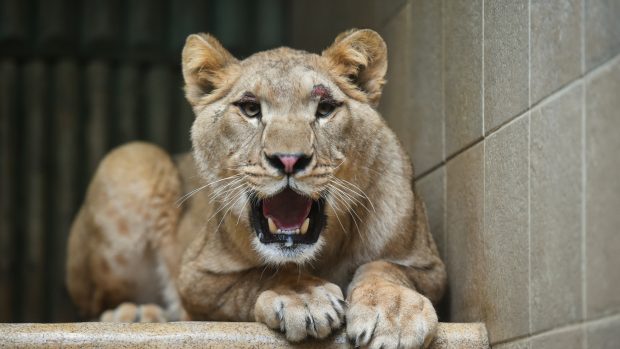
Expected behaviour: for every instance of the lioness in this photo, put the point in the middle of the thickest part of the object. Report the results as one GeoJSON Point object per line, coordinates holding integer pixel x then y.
{"type": "Point", "coordinates": [296, 191]}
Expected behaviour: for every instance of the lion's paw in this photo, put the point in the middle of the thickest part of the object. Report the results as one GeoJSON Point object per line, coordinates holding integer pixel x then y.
{"type": "Point", "coordinates": [314, 311]}
{"type": "Point", "coordinates": [389, 317]}
{"type": "Point", "coordinates": [130, 312]}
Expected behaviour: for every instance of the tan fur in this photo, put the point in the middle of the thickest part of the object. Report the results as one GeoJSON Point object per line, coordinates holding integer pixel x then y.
{"type": "Point", "coordinates": [201, 259]}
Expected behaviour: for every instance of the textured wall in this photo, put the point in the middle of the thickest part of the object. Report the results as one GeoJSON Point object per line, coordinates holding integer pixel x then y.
{"type": "Point", "coordinates": [78, 77]}
{"type": "Point", "coordinates": [510, 110]}
{"type": "Point", "coordinates": [512, 119]}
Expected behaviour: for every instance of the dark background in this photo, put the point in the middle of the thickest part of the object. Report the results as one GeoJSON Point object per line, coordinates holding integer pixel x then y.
{"type": "Point", "coordinates": [76, 79]}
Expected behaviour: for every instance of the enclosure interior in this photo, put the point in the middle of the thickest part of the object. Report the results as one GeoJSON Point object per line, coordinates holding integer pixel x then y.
{"type": "Point", "coordinates": [508, 109]}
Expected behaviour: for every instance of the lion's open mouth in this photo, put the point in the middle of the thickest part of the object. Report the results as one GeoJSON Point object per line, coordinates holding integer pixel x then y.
{"type": "Point", "coordinates": [288, 218]}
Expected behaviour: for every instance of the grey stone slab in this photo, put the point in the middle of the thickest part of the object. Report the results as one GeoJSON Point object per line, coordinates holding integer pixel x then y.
{"type": "Point", "coordinates": [506, 232]}
{"type": "Point", "coordinates": [555, 35]}
{"type": "Point", "coordinates": [602, 31]}
{"type": "Point", "coordinates": [462, 30]}
{"type": "Point", "coordinates": [383, 11]}
{"type": "Point", "coordinates": [572, 338]}
{"type": "Point", "coordinates": [604, 333]}
{"type": "Point", "coordinates": [202, 334]}
{"type": "Point", "coordinates": [521, 344]}
{"type": "Point", "coordinates": [603, 191]}
{"type": "Point", "coordinates": [432, 190]}
{"type": "Point", "coordinates": [467, 273]}
{"type": "Point", "coordinates": [395, 102]}
{"type": "Point", "coordinates": [506, 64]}
{"type": "Point", "coordinates": [426, 127]}
{"type": "Point", "coordinates": [556, 210]}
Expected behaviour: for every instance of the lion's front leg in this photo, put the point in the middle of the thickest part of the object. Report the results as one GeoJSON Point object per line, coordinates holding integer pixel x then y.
{"type": "Point", "coordinates": [299, 305]}
{"type": "Point", "coordinates": [386, 312]}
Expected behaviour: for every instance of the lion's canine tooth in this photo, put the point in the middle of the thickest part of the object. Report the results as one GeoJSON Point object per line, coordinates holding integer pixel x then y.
{"type": "Point", "coordinates": [304, 227]}
{"type": "Point", "coordinates": [272, 226]}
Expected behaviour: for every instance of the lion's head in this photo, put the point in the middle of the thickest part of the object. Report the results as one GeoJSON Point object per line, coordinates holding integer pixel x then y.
{"type": "Point", "coordinates": [289, 137]}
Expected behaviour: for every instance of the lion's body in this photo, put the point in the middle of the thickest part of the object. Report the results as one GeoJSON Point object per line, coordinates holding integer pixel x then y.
{"type": "Point", "coordinates": [137, 240]}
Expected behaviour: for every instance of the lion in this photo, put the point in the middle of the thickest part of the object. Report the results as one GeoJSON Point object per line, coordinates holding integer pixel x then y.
{"type": "Point", "coordinates": [296, 207]}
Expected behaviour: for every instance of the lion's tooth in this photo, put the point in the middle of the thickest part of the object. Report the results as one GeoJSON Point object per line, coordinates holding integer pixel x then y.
{"type": "Point", "coordinates": [304, 227]}
{"type": "Point", "coordinates": [289, 242]}
{"type": "Point", "coordinates": [272, 226]}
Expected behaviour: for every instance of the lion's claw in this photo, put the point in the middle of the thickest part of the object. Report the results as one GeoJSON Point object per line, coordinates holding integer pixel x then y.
{"type": "Point", "coordinates": [314, 312]}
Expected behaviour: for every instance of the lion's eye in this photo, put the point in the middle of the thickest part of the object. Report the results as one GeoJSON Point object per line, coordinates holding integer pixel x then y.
{"type": "Point", "coordinates": [250, 109]}
{"type": "Point", "coordinates": [324, 109]}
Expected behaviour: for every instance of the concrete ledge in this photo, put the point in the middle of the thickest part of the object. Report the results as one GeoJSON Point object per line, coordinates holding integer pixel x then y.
{"type": "Point", "coordinates": [199, 334]}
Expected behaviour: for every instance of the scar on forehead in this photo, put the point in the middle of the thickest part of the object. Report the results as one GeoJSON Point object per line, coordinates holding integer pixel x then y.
{"type": "Point", "coordinates": [321, 91]}
{"type": "Point", "coordinates": [248, 97]}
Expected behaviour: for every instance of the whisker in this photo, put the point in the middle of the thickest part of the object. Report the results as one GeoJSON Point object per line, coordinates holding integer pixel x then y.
{"type": "Point", "coordinates": [352, 193]}
{"type": "Point", "coordinates": [230, 206]}
{"type": "Point", "coordinates": [238, 178]}
{"type": "Point", "coordinates": [352, 214]}
{"type": "Point", "coordinates": [263, 272]}
{"type": "Point", "coordinates": [340, 164]}
{"type": "Point", "coordinates": [336, 207]}
{"type": "Point", "coordinates": [185, 197]}
{"type": "Point", "coordinates": [242, 209]}
{"type": "Point", "coordinates": [227, 189]}
{"type": "Point", "coordinates": [355, 188]}
{"type": "Point", "coordinates": [352, 198]}
{"type": "Point", "coordinates": [224, 206]}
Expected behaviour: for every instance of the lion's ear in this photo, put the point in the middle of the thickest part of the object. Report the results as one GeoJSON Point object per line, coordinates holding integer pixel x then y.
{"type": "Point", "coordinates": [361, 57]}
{"type": "Point", "coordinates": [204, 60]}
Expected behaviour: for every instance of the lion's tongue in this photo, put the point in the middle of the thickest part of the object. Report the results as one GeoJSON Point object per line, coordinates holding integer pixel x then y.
{"type": "Point", "coordinates": [288, 210]}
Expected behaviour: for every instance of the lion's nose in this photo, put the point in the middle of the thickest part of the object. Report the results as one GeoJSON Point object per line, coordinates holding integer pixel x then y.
{"type": "Point", "coordinates": [289, 163]}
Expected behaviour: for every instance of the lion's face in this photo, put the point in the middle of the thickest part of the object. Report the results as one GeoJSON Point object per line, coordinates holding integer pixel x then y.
{"type": "Point", "coordinates": [276, 135]}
